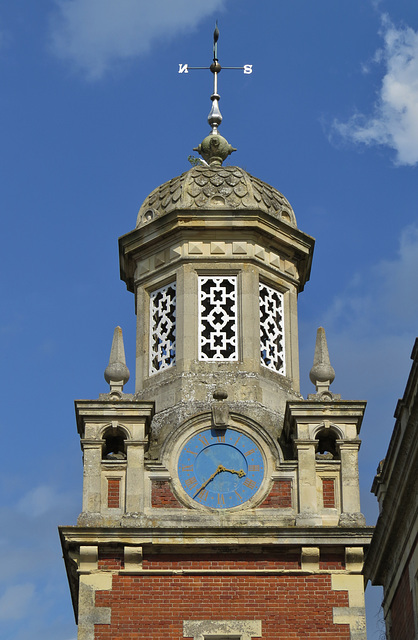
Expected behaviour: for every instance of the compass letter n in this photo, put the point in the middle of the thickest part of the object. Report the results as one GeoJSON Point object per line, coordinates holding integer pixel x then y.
{"type": "Point", "coordinates": [183, 68]}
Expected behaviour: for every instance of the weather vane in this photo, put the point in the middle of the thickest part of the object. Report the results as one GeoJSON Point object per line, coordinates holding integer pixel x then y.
{"type": "Point", "coordinates": [215, 150]}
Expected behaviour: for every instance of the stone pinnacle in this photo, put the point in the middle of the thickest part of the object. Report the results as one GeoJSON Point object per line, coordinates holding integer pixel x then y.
{"type": "Point", "coordinates": [117, 373]}
{"type": "Point", "coordinates": [322, 373]}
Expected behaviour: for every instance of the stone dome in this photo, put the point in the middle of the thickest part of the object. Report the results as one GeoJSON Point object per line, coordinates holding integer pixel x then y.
{"type": "Point", "coordinates": [215, 187]}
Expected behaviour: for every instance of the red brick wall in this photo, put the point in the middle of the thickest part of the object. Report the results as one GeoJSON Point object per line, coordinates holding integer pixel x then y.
{"type": "Point", "coordinates": [162, 496]}
{"type": "Point", "coordinates": [113, 493]}
{"type": "Point", "coordinates": [280, 496]}
{"type": "Point", "coordinates": [225, 561]}
{"type": "Point", "coordinates": [328, 493]}
{"type": "Point", "coordinates": [402, 611]}
{"type": "Point", "coordinates": [332, 560]}
{"type": "Point", "coordinates": [110, 559]}
{"type": "Point", "coordinates": [154, 607]}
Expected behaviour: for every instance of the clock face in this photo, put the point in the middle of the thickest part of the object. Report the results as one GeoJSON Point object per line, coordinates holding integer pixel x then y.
{"type": "Point", "coordinates": [221, 468]}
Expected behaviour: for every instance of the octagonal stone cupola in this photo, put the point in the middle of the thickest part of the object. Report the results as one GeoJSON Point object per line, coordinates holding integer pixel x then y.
{"type": "Point", "coordinates": [216, 262]}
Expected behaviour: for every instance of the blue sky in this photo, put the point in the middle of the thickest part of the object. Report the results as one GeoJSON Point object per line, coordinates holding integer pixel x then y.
{"type": "Point", "coordinates": [93, 117]}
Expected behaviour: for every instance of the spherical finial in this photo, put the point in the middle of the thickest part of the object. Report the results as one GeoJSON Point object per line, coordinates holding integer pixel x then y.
{"type": "Point", "coordinates": [214, 149]}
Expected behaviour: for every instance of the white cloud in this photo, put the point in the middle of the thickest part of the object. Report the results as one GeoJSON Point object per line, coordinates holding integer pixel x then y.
{"type": "Point", "coordinates": [96, 34]}
{"type": "Point", "coordinates": [386, 298]}
{"type": "Point", "coordinates": [394, 122]}
{"type": "Point", "coordinates": [399, 293]}
{"type": "Point", "coordinates": [371, 327]}
{"type": "Point", "coordinates": [40, 500]}
{"type": "Point", "coordinates": [15, 601]}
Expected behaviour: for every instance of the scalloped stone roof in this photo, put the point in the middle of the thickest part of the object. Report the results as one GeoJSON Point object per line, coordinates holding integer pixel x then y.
{"type": "Point", "coordinates": [215, 187]}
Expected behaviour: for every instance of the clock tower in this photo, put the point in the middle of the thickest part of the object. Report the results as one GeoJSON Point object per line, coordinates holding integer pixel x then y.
{"type": "Point", "coordinates": [217, 502]}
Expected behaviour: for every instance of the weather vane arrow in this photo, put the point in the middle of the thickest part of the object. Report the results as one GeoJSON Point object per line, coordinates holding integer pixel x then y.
{"type": "Point", "coordinates": [207, 148]}
{"type": "Point", "coordinates": [185, 68]}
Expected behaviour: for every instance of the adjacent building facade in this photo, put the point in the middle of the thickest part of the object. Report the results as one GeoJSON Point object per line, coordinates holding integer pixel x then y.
{"type": "Point", "coordinates": [392, 560]}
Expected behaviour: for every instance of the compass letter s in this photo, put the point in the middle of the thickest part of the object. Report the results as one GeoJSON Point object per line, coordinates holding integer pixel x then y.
{"type": "Point", "coordinates": [184, 68]}
{"type": "Point", "coordinates": [248, 68]}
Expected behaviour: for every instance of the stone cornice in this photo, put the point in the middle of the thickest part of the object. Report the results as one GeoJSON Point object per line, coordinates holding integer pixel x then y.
{"type": "Point", "coordinates": [112, 410]}
{"type": "Point", "coordinates": [234, 535]}
{"type": "Point", "coordinates": [308, 411]}
{"type": "Point", "coordinates": [184, 226]}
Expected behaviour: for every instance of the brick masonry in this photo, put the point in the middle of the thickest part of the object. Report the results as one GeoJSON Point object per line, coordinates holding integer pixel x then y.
{"type": "Point", "coordinates": [162, 496]}
{"type": "Point", "coordinates": [110, 559]}
{"type": "Point", "coordinates": [332, 560]}
{"type": "Point", "coordinates": [402, 610]}
{"type": "Point", "coordinates": [224, 561]}
{"type": "Point", "coordinates": [280, 495]}
{"type": "Point", "coordinates": [155, 606]}
{"type": "Point", "coordinates": [113, 492]}
{"type": "Point", "coordinates": [328, 493]}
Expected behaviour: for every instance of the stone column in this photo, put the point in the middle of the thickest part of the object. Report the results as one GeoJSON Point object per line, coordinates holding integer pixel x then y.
{"type": "Point", "coordinates": [350, 490]}
{"type": "Point", "coordinates": [250, 319]}
{"type": "Point", "coordinates": [291, 337]}
{"type": "Point", "coordinates": [92, 492]}
{"type": "Point", "coordinates": [308, 503]}
{"type": "Point", "coordinates": [142, 337]}
{"type": "Point", "coordinates": [186, 317]}
{"type": "Point", "coordinates": [134, 501]}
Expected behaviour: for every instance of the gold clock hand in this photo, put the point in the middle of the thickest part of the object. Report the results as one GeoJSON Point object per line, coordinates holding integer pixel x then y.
{"type": "Point", "coordinates": [218, 470]}
{"type": "Point", "coordinates": [240, 474]}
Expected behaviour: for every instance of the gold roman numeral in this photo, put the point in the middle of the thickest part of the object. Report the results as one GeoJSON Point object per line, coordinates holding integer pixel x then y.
{"type": "Point", "coordinates": [221, 499]}
{"type": "Point", "coordinates": [249, 483]}
{"type": "Point", "coordinates": [248, 453]}
{"type": "Point", "coordinates": [191, 482]}
{"type": "Point", "coordinates": [203, 440]}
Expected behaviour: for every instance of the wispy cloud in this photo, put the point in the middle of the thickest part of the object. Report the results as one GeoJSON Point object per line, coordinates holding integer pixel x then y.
{"type": "Point", "coordinates": [394, 120]}
{"type": "Point", "coordinates": [42, 499]}
{"type": "Point", "coordinates": [386, 298]}
{"type": "Point", "coordinates": [15, 601]}
{"type": "Point", "coordinates": [371, 326]}
{"type": "Point", "coordinates": [96, 34]}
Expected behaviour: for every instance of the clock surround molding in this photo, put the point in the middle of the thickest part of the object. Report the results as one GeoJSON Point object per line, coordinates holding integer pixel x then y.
{"type": "Point", "coordinates": [175, 443]}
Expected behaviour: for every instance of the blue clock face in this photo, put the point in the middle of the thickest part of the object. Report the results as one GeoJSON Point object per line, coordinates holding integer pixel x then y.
{"type": "Point", "coordinates": [221, 468]}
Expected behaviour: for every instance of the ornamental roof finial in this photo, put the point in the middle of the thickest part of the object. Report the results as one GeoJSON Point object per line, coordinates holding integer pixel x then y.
{"type": "Point", "coordinates": [322, 373]}
{"type": "Point", "coordinates": [214, 148]}
{"type": "Point", "coordinates": [117, 373]}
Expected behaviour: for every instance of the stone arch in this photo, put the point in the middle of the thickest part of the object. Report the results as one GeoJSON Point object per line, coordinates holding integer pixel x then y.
{"type": "Point", "coordinates": [114, 442]}
{"type": "Point", "coordinates": [327, 442]}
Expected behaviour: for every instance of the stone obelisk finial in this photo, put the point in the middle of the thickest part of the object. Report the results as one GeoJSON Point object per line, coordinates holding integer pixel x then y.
{"type": "Point", "coordinates": [322, 373]}
{"type": "Point", "coordinates": [117, 373]}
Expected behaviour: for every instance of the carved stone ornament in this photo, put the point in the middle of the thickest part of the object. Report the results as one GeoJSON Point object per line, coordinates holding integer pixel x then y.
{"type": "Point", "coordinates": [215, 188]}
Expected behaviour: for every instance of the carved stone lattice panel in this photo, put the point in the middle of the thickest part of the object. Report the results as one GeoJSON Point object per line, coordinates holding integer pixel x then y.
{"type": "Point", "coordinates": [272, 351]}
{"type": "Point", "coordinates": [163, 328]}
{"type": "Point", "coordinates": [218, 331]}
